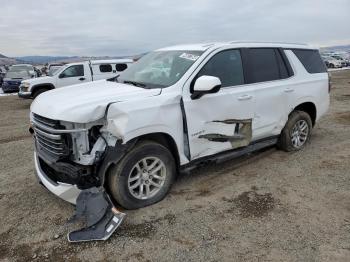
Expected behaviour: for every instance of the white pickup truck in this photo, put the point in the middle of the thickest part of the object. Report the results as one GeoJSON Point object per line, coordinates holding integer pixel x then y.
{"type": "Point", "coordinates": [71, 74]}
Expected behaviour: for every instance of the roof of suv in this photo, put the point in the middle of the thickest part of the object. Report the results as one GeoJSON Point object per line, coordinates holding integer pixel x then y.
{"type": "Point", "coordinates": [205, 46]}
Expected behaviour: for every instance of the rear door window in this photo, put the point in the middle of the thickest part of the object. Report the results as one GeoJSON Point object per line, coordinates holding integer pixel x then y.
{"type": "Point", "coordinates": [263, 65]}
{"type": "Point", "coordinates": [105, 68]}
{"type": "Point", "coordinates": [311, 60]}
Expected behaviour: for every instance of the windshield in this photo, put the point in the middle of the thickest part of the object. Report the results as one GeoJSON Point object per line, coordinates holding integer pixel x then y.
{"type": "Point", "coordinates": [159, 69]}
{"type": "Point", "coordinates": [53, 70]}
{"type": "Point", "coordinates": [24, 73]}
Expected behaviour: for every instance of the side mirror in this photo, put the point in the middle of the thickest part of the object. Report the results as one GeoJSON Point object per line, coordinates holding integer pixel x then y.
{"type": "Point", "coordinates": [205, 85]}
{"type": "Point", "coordinates": [62, 75]}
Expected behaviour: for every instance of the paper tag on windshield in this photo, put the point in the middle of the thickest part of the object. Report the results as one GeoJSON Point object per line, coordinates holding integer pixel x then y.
{"type": "Point", "coordinates": [189, 56]}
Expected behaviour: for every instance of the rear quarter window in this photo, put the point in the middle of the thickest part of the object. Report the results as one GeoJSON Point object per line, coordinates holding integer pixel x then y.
{"type": "Point", "coordinates": [311, 60]}
{"type": "Point", "coordinates": [105, 68]}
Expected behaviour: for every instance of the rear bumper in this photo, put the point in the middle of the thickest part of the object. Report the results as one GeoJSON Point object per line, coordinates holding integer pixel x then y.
{"type": "Point", "coordinates": [64, 191]}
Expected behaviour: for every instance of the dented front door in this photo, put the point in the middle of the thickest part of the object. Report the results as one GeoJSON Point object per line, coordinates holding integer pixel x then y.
{"type": "Point", "coordinates": [221, 121]}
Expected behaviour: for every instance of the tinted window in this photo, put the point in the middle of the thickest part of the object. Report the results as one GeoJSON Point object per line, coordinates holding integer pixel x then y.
{"type": "Point", "coordinates": [105, 68]}
{"type": "Point", "coordinates": [73, 71]}
{"type": "Point", "coordinates": [264, 65]}
{"type": "Point", "coordinates": [227, 66]}
{"type": "Point", "coordinates": [121, 67]}
{"type": "Point", "coordinates": [311, 60]}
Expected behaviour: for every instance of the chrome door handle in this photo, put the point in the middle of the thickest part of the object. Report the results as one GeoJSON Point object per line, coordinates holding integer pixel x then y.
{"type": "Point", "coordinates": [245, 97]}
{"type": "Point", "coordinates": [289, 90]}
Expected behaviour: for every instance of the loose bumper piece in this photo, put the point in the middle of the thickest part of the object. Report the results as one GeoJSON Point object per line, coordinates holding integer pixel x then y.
{"type": "Point", "coordinates": [95, 208]}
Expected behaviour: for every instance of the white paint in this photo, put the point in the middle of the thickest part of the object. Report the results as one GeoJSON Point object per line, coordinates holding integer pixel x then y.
{"type": "Point", "coordinates": [109, 229]}
{"type": "Point", "coordinates": [206, 83]}
{"type": "Point", "coordinates": [57, 81]}
{"type": "Point", "coordinates": [134, 111]}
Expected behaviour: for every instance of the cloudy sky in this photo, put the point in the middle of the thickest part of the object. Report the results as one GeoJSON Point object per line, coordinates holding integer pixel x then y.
{"type": "Point", "coordinates": [121, 27]}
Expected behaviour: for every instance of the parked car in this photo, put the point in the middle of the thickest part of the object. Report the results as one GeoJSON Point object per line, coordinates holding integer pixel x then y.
{"type": "Point", "coordinates": [331, 62]}
{"type": "Point", "coordinates": [344, 62]}
{"type": "Point", "coordinates": [2, 75]}
{"type": "Point", "coordinates": [72, 74]}
{"type": "Point", "coordinates": [15, 75]}
{"type": "Point", "coordinates": [212, 102]}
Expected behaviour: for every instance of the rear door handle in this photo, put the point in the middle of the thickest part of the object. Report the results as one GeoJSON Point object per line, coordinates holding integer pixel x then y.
{"type": "Point", "coordinates": [82, 78]}
{"type": "Point", "coordinates": [289, 90]}
{"type": "Point", "coordinates": [245, 97]}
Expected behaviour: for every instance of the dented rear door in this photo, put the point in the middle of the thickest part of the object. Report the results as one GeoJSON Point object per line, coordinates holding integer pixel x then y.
{"type": "Point", "coordinates": [223, 120]}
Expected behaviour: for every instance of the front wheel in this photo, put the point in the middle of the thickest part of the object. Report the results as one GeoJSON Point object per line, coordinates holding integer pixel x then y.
{"type": "Point", "coordinates": [296, 132]}
{"type": "Point", "coordinates": [143, 177]}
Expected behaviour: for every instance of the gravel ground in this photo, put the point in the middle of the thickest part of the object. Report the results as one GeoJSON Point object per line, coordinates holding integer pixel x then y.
{"type": "Point", "coordinates": [268, 206]}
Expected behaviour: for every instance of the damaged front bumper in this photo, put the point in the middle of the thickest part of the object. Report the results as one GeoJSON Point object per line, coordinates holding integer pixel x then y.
{"type": "Point", "coordinates": [64, 191]}
{"type": "Point", "coordinates": [93, 207]}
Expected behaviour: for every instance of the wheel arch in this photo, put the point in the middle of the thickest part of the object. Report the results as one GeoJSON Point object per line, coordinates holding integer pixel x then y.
{"type": "Point", "coordinates": [310, 109]}
{"type": "Point", "coordinates": [47, 86]}
{"type": "Point", "coordinates": [165, 140]}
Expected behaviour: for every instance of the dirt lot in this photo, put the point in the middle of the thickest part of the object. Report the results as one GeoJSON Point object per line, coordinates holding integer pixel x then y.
{"type": "Point", "coordinates": [269, 206]}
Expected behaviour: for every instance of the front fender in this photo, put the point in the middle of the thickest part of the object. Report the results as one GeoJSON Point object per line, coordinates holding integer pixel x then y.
{"type": "Point", "coordinates": [130, 120]}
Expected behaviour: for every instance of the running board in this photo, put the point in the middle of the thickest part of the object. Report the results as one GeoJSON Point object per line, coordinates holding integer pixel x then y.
{"type": "Point", "coordinates": [229, 155]}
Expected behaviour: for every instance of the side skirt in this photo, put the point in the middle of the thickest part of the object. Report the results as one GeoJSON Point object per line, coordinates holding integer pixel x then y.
{"type": "Point", "coordinates": [228, 155]}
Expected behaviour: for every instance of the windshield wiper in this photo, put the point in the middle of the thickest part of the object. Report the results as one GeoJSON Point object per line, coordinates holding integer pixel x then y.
{"type": "Point", "coordinates": [134, 83]}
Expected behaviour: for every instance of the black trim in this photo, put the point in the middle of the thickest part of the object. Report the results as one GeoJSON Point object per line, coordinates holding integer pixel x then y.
{"type": "Point", "coordinates": [184, 121]}
{"type": "Point", "coordinates": [199, 94]}
{"type": "Point", "coordinates": [246, 66]}
{"type": "Point", "coordinates": [286, 62]}
{"type": "Point", "coordinates": [48, 86]}
{"type": "Point", "coordinates": [230, 154]}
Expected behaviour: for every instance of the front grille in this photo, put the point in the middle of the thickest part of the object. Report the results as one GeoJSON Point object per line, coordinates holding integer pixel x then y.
{"type": "Point", "coordinates": [53, 143]}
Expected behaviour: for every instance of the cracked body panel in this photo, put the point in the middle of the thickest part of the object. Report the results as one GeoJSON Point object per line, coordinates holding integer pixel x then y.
{"type": "Point", "coordinates": [242, 133]}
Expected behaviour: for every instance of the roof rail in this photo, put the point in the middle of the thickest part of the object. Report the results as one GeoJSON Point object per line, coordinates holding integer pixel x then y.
{"type": "Point", "coordinates": [264, 42]}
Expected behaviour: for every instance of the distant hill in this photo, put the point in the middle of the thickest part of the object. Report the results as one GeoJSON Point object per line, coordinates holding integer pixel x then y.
{"type": "Point", "coordinates": [4, 60]}
{"type": "Point", "coordinates": [343, 48]}
{"type": "Point", "coordinates": [40, 60]}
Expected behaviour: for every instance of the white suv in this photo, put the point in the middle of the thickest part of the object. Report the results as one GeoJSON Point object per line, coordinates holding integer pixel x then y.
{"type": "Point", "coordinates": [174, 109]}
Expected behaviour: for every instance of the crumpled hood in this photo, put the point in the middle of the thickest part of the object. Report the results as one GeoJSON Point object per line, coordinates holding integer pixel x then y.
{"type": "Point", "coordinates": [85, 103]}
{"type": "Point", "coordinates": [42, 79]}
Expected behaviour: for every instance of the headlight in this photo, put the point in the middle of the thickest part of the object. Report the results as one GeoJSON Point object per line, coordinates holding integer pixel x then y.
{"type": "Point", "coordinates": [24, 87]}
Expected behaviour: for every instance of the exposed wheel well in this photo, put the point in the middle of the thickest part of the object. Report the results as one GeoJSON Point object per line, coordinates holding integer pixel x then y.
{"type": "Point", "coordinates": [165, 140]}
{"type": "Point", "coordinates": [308, 108]}
{"type": "Point", "coordinates": [42, 86]}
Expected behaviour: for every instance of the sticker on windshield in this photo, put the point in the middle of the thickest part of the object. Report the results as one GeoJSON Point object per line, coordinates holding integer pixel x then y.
{"type": "Point", "coordinates": [189, 56]}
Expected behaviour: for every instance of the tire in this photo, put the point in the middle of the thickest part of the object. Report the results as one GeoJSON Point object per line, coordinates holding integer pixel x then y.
{"type": "Point", "coordinates": [129, 173]}
{"type": "Point", "coordinates": [39, 91]}
{"type": "Point", "coordinates": [297, 121]}
{"type": "Point", "coordinates": [331, 65]}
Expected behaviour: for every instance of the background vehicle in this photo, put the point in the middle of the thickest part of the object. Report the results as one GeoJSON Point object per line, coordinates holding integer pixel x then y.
{"type": "Point", "coordinates": [331, 62]}
{"type": "Point", "coordinates": [2, 74]}
{"type": "Point", "coordinates": [72, 74]}
{"type": "Point", "coordinates": [344, 62]}
{"type": "Point", "coordinates": [200, 103]}
{"type": "Point", "coordinates": [15, 75]}
{"type": "Point", "coordinates": [52, 68]}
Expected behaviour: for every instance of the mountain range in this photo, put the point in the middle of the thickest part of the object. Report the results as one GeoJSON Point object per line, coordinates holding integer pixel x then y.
{"type": "Point", "coordinates": [40, 60]}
